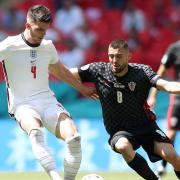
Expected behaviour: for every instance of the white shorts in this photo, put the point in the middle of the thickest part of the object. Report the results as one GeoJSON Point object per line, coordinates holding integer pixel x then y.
{"type": "Point", "coordinates": [46, 109]}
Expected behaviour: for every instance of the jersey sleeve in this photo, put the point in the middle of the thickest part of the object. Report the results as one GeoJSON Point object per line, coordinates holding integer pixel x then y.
{"type": "Point", "coordinates": [4, 50]}
{"type": "Point", "coordinates": [170, 56]}
{"type": "Point", "coordinates": [54, 54]}
{"type": "Point", "coordinates": [88, 72]}
{"type": "Point", "coordinates": [151, 75]}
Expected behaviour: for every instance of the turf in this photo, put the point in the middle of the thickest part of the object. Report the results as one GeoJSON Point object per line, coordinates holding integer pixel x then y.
{"type": "Point", "coordinates": [106, 176]}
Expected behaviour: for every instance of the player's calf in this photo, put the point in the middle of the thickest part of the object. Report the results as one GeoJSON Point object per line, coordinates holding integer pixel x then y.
{"type": "Point", "coordinates": [73, 157]}
{"type": "Point", "coordinates": [124, 147]}
{"type": "Point", "coordinates": [140, 165]}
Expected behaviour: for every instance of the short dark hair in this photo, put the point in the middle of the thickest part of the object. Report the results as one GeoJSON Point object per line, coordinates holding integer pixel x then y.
{"type": "Point", "coordinates": [120, 43]}
{"type": "Point", "coordinates": [39, 13]}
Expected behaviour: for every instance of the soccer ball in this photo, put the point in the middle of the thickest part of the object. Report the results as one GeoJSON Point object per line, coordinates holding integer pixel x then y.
{"type": "Point", "coordinates": [92, 177]}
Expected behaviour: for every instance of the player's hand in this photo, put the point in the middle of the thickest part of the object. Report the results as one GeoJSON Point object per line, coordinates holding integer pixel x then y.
{"type": "Point", "coordinates": [90, 92]}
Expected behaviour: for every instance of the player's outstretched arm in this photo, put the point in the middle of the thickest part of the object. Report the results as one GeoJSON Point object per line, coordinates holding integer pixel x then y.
{"type": "Point", "coordinates": [171, 87]}
{"type": "Point", "coordinates": [63, 74]}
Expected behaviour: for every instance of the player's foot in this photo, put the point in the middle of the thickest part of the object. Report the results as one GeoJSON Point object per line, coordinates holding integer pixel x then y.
{"type": "Point", "coordinates": [161, 171]}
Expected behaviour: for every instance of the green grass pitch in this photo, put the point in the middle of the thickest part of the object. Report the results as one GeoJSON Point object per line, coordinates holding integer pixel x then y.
{"type": "Point", "coordinates": [106, 176]}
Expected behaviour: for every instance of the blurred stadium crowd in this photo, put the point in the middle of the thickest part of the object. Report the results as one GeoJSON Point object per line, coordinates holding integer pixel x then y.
{"type": "Point", "coordinates": [82, 29]}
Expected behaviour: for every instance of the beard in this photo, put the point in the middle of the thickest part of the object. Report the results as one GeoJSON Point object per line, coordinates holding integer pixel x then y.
{"type": "Point", "coordinates": [119, 69]}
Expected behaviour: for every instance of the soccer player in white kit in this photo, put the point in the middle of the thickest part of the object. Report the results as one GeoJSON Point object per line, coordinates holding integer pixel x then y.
{"type": "Point", "coordinates": [27, 60]}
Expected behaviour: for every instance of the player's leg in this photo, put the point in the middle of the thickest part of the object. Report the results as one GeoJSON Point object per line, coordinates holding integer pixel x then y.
{"type": "Point", "coordinates": [29, 121]}
{"type": "Point", "coordinates": [122, 145]}
{"type": "Point", "coordinates": [168, 153]}
{"type": "Point", "coordinates": [171, 133]}
{"type": "Point", "coordinates": [173, 123]}
{"type": "Point", "coordinates": [58, 121]}
{"type": "Point", "coordinates": [67, 131]}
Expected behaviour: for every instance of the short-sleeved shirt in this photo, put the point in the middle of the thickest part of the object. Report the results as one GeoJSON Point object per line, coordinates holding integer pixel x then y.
{"type": "Point", "coordinates": [26, 68]}
{"type": "Point", "coordinates": [171, 58]}
{"type": "Point", "coordinates": [123, 99]}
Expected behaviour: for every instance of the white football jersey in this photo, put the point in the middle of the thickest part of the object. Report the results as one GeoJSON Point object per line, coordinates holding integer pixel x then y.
{"type": "Point", "coordinates": [26, 68]}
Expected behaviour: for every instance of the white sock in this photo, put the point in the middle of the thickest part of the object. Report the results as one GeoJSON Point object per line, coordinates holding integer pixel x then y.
{"type": "Point", "coordinates": [42, 153]}
{"type": "Point", "coordinates": [73, 157]}
{"type": "Point", "coordinates": [54, 175]}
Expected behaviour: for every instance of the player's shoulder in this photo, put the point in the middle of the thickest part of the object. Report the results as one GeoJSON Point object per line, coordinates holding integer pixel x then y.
{"type": "Point", "coordinates": [11, 40]}
{"type": "Point", "coordinates": [98, 64]}
{"type": "Point", "coordinates": [139, 66]}
{"type": "Point", "coordinates": [48, 45]}
{"type": "Point", "coordinates": [46, 42]}
{"type": "Point", "coordinates": [95, 67]}
{"type": "Point", "coordinates": [177, 43]}
{"type": "Point", "coordinates": [141, 70]}
{"type": "Point", "coordinates": [174, 45]}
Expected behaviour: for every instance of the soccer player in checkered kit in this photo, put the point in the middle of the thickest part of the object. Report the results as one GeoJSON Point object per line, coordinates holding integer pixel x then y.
{"type": "Point", "coordinates": [123, 89]}
{"type": "Point", "coordinates": [27, 60]}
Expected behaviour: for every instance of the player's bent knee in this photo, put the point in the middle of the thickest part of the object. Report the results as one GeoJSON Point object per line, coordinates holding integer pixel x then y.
{"type": "Point", "coordinates": [36, 133]}
{"type": "Point", "coordinates": [36, 137]}
{"type": "Point", "coordinates": [76, 139]}
{"type": "Point", "coordinates": [122, 146]}
{"type": "Point", "coordinates": [74, 146]}
{"type": "Point", "coordinates": [41, 150]}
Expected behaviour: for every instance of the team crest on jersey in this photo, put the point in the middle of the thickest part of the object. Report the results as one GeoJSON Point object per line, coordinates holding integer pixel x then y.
{"type": "Point", "coordinates": [33, 54]}
{"type": "Point", "coordinates": [132, 86]}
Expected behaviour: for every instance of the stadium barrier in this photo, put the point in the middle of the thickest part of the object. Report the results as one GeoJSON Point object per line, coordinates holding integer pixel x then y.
{"type": "Point", "coordinates": [16, 154]}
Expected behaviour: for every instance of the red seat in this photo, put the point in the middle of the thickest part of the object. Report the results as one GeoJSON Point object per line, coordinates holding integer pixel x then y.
{"type": "Point", "coordinates": [89, 56]}
{"type": "Point", "coordinates": [28, 3]}
{"type": "Point", "coordinates": [113, 15]}
{"type": "Point", "coordinates": [90, 3]}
